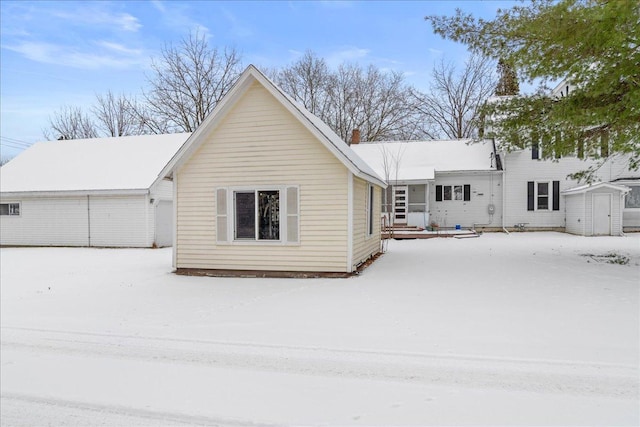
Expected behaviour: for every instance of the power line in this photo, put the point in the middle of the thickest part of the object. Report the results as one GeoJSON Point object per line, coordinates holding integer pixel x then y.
{"type": "Point", "coordinates": [23, 144]}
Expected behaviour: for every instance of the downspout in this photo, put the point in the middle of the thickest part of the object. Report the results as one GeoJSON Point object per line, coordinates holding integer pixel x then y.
{"type": "Point", "coordinates": [88, 221]}
{"type": "Point", "coordinates": [504, 194]}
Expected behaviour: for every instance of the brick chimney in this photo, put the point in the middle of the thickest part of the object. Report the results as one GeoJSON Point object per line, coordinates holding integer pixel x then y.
{"type": "Point", "coordinates": [355, 136]}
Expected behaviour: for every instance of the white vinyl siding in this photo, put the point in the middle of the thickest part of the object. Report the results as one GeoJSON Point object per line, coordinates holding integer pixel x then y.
{"type": "Point", "coordinates": [485, 190]}
{"type": "Point", "coordinates": [118, 221]}
{"type": "Point", "coordinates": [519, 170]}
{"type": "Point", "coordinates": [260, 142]}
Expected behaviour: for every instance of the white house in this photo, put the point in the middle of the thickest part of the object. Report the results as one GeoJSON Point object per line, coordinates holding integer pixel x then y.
{"type": "Point", "coordinates": [263, 187]}
{"type": "Point", "coordinates": [444, 183]}
{"type": "Point", "coordinates": [94, 192]}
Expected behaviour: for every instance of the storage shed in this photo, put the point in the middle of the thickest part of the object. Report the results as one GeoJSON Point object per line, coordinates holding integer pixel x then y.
{"type": "Point", "coordinates": [595, 210]}
{"type": "Point", "coordinates": [91, 192]}
{"type": "Point", "coordinates": [263, 186]}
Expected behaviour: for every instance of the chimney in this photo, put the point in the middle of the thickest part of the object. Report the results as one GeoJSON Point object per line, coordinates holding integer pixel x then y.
{"type": "Point", "coordinates": [355, 136]}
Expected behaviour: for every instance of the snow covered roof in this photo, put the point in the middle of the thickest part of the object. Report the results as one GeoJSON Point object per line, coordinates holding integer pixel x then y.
{"type": "Point", "coordinates": [328, 137]}
{"type": "Point", "coordinates": [590, 187]}
{"type": "Point", "coordinates": [88, 165]}
{"type": "Point", "coordinates": [420, 160]}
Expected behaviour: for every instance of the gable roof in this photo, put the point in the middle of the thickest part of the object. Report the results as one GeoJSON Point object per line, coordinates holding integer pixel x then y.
{"type": "Point", "coordinates": [590, 187]}
{"type": "Point", "coordinates": [317, 127]}
{"type": "Point", "coordinates": [121, 164]}
{"type": "Point", "coordinates": [420, 160]}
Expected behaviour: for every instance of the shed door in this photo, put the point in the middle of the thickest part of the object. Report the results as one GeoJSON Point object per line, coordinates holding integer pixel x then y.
{"type": "Point", "coordinates": [601, 214]}
{"type": "Point", "coordinates": [400, 203]}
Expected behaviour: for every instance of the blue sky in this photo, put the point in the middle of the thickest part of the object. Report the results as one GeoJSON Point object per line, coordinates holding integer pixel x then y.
{"type": "Point", "coordinates": [63, 53]}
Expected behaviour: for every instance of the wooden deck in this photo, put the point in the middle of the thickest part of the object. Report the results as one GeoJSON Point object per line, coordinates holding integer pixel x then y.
{"type": "Point", "coordinates": [405, 232]}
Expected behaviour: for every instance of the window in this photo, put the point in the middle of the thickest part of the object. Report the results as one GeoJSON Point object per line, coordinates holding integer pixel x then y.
{"type": "Point", "coordinates": [535, 150]}
{"type": "Point", "coordinates": [252, 215]}
{"type": "Point", "coordinates": [370, 199]}
{"type": "Point", "coordinates": [12, 209]}
{"type": "Point", "coordinates": [257, 215]}
{"type": "Point", "coordinates": [633, 198]}
{"type": "Point", "coordinates": [543, 195]}
{"type": "Point", "coordinates": [453, 192]}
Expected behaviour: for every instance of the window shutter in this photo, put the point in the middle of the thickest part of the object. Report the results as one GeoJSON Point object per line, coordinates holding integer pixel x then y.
{"type": "Point", "coordinates": [535, 151]}
{"type": "Point", "coordinates": [467, 192]}
{"type": "Point", "coordinates": [293, 215]}
{"type": "Point", "coordinates": [530, 196]}
{"type": "Point", "coordinates": [438, 193]}
{"type": "Point", "coordinates": [556, 195]}
{"type": "Point", "coordinates": [222, 232]}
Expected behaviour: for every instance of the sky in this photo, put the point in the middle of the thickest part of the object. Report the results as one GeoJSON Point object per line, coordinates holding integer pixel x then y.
{"type": "Point", "coordinates": [64, 53]}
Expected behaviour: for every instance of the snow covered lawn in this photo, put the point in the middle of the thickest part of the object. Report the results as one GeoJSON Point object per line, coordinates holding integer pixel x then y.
{"type": "Point", "coordinates": [525, 329]}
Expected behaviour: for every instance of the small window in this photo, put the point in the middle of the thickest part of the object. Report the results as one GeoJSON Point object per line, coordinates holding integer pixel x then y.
{"type": "Point", "coordinates": [457, 192]}
{"type": "Point", "coordinates": [10, 209]}
{"type": "Point", "coordinates": [543, 195]}
{"type": "Point", "coordinates": [447, 192]}
{"type": "Point", "coordinates": [632, 201]}
{"type": "Point", "coordinates": [370, 199]}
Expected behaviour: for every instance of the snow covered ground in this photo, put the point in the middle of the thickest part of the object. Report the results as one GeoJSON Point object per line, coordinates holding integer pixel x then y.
{"type": "Point", "coordinates": [520, 329]}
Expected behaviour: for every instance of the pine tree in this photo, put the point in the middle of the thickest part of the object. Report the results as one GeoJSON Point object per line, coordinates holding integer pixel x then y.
{"type": "Point", "coordinates": [507, 81]}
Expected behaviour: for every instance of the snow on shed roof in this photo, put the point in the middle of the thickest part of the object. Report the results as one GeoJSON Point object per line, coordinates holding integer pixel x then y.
{"type": "Point", "coordinates": [86, 165]}
{"type": "Point", "coordinates": [419, 160]}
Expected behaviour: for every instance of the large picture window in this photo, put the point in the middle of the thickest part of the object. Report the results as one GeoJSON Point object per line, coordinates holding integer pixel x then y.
{"type": "Point", "coordinates": [257, 215]}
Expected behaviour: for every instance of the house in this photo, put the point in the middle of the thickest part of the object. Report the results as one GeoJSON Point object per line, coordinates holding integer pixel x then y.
{"type": "Point", "coordinates": [89, 192]}
{"type": "Point", "coordinates": [265, 187]}
{"type": "Point", "coordinates": [439, 183]}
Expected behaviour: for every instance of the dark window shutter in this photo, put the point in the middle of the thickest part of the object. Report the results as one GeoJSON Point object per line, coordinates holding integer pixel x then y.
{"type": "Point", "coordinates": [530, 196]}
{"type": "Point", "coordinates": [556, 195]}
{"type": "Point", "coordinates": [535, 151]}
{"type": "Point", "coordinates": [438, 193]}
{"type": "Point", "coordinates": [467, 192]}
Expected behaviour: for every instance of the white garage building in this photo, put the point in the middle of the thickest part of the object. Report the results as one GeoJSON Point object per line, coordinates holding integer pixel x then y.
{"type": "Point", "coordinates": [93, 192]}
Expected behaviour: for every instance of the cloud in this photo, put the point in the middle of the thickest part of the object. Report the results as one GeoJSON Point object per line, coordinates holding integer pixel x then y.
{"type": "Point", "coordinates": [238, 29]}
{"type": "Point", "coordinates": [175, 15]}
{"type": "Point", "coordinates": [50, 53]}
{"type": "Point", "coordinates": [348, 54]}
{"type": "Point", "coordinates": [92, 16]}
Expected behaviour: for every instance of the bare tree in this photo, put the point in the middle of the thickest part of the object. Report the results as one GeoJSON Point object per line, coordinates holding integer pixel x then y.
{"type": "Point", "coordinates": [117, 115]}
{"type": "Point", "coordinates": [378, 103]}
{"type": "Point", "coordinates": [453, 102]}
{"type": "Point", "coordinates": [188, 82]}
{"type": "Point", "coordinates": [70, 123]}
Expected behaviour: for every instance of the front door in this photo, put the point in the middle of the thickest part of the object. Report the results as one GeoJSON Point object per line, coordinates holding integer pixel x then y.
{"type": "Point", "coordinates": [400, 203]}
{"type": "Point", "coordinates": [601, 214]}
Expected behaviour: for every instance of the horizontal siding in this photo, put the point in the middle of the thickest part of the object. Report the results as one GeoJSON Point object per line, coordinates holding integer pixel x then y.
{"type": "Point", "coordinates": [486, 189]}
{"type": "Point", "coordinates": [259, 143]}
{"type": "Point", "coordinates": [121, 221]}
{"type": "Point", "coordinates": [47, 222]}
{"type": "Point", "coordinates": [364, 246]}
{"type": "Point", "coordinates": [65, 221]}
{"type": "Point", "coordinates": [520, 169]}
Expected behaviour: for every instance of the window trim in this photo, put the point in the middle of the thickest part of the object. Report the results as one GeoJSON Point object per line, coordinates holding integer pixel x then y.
{"type": "Point", "coordinates": [11, 212]}
{"type": "Point", "coordinates": [465, 193]}
{"type": "Point", "coordinates": [553, 196]}
{"type": "Point", "coordinates": [229, 216]}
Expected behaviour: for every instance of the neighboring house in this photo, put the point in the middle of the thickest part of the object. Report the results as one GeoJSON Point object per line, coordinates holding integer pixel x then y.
{"type": "Point", "coordinates": [439, 183]}
{"type": "Point", "coordinates": [265, 186]}
{"type": "Point", "coordinates": [93, 192]}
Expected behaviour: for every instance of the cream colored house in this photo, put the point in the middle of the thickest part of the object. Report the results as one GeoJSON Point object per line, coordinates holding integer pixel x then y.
{"type": "Point", "coordinates": [264, 185]}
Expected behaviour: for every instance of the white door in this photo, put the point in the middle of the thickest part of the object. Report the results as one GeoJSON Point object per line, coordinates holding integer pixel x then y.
{"type": "Point", "coordinates": [601, 214]}
{"type": "Point", "coordinates": [164, 223]}
{"type": "Point", "coordinates": [400, 203]}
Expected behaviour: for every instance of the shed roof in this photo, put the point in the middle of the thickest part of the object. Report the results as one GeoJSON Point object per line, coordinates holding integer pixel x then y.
{"type": "Point", "coordinates": [420, 160]}
{"type": "Point", "coordinates": [88, 165]}
{"type": "Point", "coordinates": [317, 127]}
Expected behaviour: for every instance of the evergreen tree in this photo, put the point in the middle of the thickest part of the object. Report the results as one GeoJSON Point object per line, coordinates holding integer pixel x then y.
{"type": "Point", "coordinates": [507, 80]}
